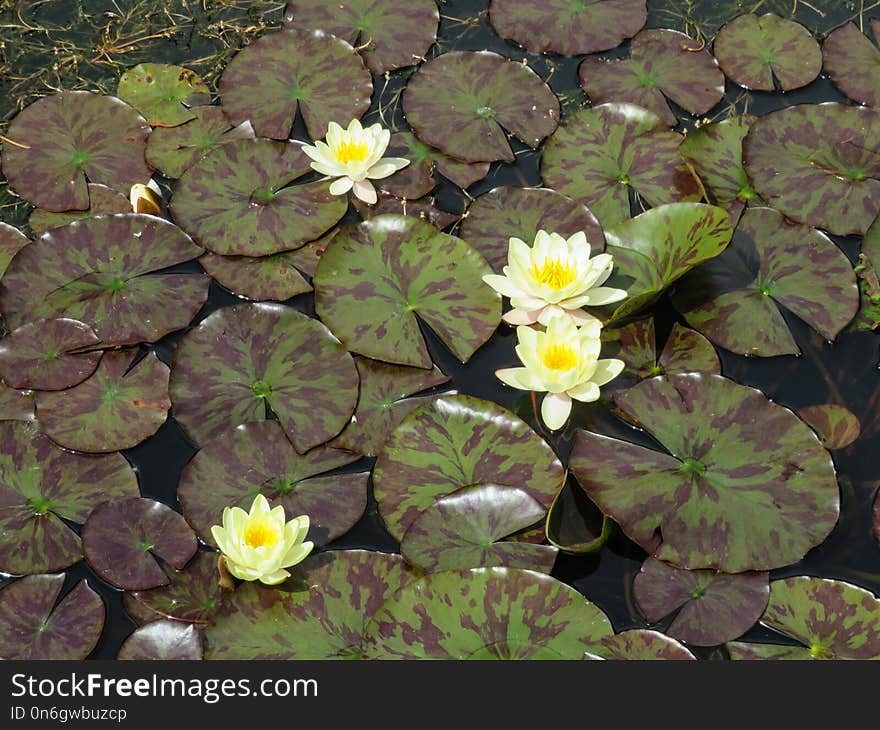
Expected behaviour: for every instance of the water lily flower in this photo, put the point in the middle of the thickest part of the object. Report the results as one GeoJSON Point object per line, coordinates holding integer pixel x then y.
{"type": "Point", "coordinates": [555, 276]}
{"type": "Point", "coordinates": [354, 157]}
{"type": "Point", "coordinates": [146, 198]}
{"type": "Point", "coordinates": [259, 545]}
{"type": "Point", "coordinates": [564, 362]}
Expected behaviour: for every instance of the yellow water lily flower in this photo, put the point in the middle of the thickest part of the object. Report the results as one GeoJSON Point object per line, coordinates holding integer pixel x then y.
{"type": "Point", "coordinates": [354, 157]}
{"type": "Point", "coordinates": [564, 362]}
{"type": "Point", "coordinates": [259, 545]}
{"type": "Point", "coordinates": [146, 198]}
{"type": "Point", "coordinates": [554, 276]}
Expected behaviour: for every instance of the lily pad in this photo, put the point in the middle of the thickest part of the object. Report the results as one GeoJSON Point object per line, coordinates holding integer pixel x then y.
{"type": "Point", "coordinates": [102, 201]}
{"type": "Point", "coordinates": [323, 617]}
{"type": "Point", "coordinates": [836, 426]}
{"type": "Point", "coordinates": [101, 271]}
{"type": "Point", "coordinates": [712, 607]}
{"type": "Point", "coordinates": [234, 367]}
{"type": "Point", "coordinates": [853, 62]}
{"type": "Point", "coordinates": [662, 64]}
{"type": "Point", "coordinates": [639, 645]}
{"type": "Point", "coordinates": [742, 650]}
{"type": "Point", "coordinates": [257, 458]}
{"type": "Point", "coordinates": [193, 595]}
{"type": "Point", "coordinates": [263, 278]}
{"type": "Point", "coordinates": [506, 212]}
{"type": "Point", "coordinates": [485, 613]}
{"type": "Point", "coordinates": [738, 466]}
{"type": "Point", "coordinates": [453, 442]}
{"type": "Point", "coordinates": [599, 154]}
{"type": "Point", "coordinates": [239, 201]}
{"type": "Point", "coordinates": [756, 50]}
{"type": "Point", "coordinates": [163, 93]}
{"type": "Point", "coordinates": [163, 640]}
{"type": "Point", "coordinates": [12, 241]}
{"type": "Point", "coordinates": [41, 355]}
{"type": "Point", "coordinates": [34, 625]}
{"type": "Point", "coordinates": [466, 529]}
{"type": "Point", "coordinates": [374, 278]}
{"type": "Point", "coordinates": [568, 27]}
{"type": "Point", "coordinates": [286, 71]}
{"type": "Point", "coordinates": [70, 138]}
{"type": "Point", "coordinates": [484, 94]}
{"type": "Point", "coordinates": [173, 150]}
{"type": "Point", "coordinates": [394, 34]}
{"type": "Point", "coordinates": [574, 524]}
{"type": "Point", "coordinates": [735, 299]}
{"type": "Point", "coordinates": [122, 404]}
{"type": "Point", "coordinates": [39, 485]}
{"type": "Point", "coordinates": [123, 537]}
{"type": "Point", "coordinates": [16, 405]}
{"type": "Point", "coordinates": [425, 209]}
{"type": "Point", "coordinates": [817, 164]}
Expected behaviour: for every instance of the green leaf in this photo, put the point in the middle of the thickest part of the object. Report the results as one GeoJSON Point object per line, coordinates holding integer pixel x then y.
{"type": "Point", "coordinates": [102, 201]}
{"type": "Point", "coordinates": [163, 93]}
{"type": "Point", "coordinates": [639, 645]}
{"type": "Point", "coordinates": [193, 594]}
{"type": "Point", "coordinates": [836, 426]}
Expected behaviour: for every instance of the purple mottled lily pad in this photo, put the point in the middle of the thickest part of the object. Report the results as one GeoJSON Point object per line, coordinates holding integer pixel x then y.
{"type": "Point", "coordinates": [34, 625]}
{"type": "Point", "coordinates": [138, 612]}
{"type": "Point", "coordinates": [388, 34]}
{"type": "Point", "coordinates": [836, 426]}
{"type": "Point", "coordinates": [102, 201]}
{"type": "Point", "coordinates": [321, 616]}
{"type": "Point", "coordinates": [599, 154]}
{"type": "Point", "coordinates": [163, 93]}
{"type": "Point", "coordinates": [257, 458]}
{"type": "Point", "coordinates": [238, 200]}
{"type": "Point", "coordinates": [122, 404]}
{"type": "Point", "coordinates": [743, 485]}
{"type": "Point", "coordinates": [831, 618]}
{"type": "Point", "coordinates": [735, 299]}
{"type": "Point", "coordinates": [193, 595]}
{"type": "Point", "coordinates": [741, 650]}
{"type": "Point", "coordinates": [123, 537]}
{"type": "Point", "coordinates": [484, 97]}
{"type": "Point", "coordinates": [662, 64]}
{"type": "Point", "coordinates": [100, 271]}
{"type": "Point", "coordinates": [374, 278]}
{"type": "Point", "coordinates": [39, 485]}
{"type": "Point", "coordinates": [712, 607]}
{"type": "Point", "coordinates": [236, 365]}
{"type": "Point", "coordinates": [12, 241]}
{"type": "Point", "coordinates": [568, 27]}
{"type": "Point", "coordinates": [40, 355]}
{"type": "Point", "coordinates": [466, 529]}
{"type": "Point", "coordinates": [639, 645]}
{"type": "Point", "coordinates": [425, 209]}
{"type": "Point", "coordinates": [70, 138]}
{"type": "Point", "coordinates": [16, 405]}
{"type": "Point", "coordinates": [756, 50]}
{"type": "Point", "coordinates": [818, 164]}
{"type": "Point", "coordinates": [574, 524]}
{"type": "Point", "coordinates": [261, 278]}
{"type": "Point", "coordinates": [163, 640]}
{"type": "Point", "coordinates": [453, 442]}
{"type": "Point", "coordinates": [868, 316]}
{"type": "Point", "coordinates": [509, 212]}
{"type": "Point", "coordinates": [286, 71]}
{"type": "Point", "coordinates": [485, 613]}
{"type": "Point", "coordinates": [853, 63]}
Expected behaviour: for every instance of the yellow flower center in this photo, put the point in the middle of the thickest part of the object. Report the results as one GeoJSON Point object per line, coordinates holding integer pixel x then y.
{"type": "Point", "coordinates": [261, 534]}
{"type": "Point", "coordinates": [559, 356]}
{"type": "Point", "coordinates": [555, 273]}
{"type": "Point", "coordinates": [351, 151]}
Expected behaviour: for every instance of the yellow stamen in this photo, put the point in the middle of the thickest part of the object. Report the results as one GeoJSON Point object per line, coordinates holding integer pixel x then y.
{"type": "Point", "coordinates": [261, 534]}
{"type": "Point", "coordinates": [559, 356]}
{"type": "Point", "coordinates": [555, 273]}
{"type": "Point", "coordinates": [350, 151]}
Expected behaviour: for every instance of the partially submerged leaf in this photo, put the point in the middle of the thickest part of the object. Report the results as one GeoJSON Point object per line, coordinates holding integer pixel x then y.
{"type": "Point", "coordinates": [574, 524]}
{"type": "Point", "coordinates": [837, 426]}
{"type": "Point", "coordinates": [163, 93]}
{"type": "Point", "coordinates": [163, 640]}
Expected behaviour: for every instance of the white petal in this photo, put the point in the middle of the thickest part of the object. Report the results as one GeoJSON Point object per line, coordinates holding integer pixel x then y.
{"type": "Point", "coordinates": [585, 392]}
{"type": "Point", "coordinates": [555, 410]}
{"type": "Point", "coordinates": [364, 190]}
{"type": "Point", "coordinates": [326, 169]}
{"type": "Point", "coordinates": [607, 370]}
{"type": "Point", "coordinates": [503, 285]}
{"type": "Point", "coordinates": [520, 378]}
{"type": "Point", "coordinates": [385, 167]}
{"type": "Point", "coordinates": [274, 578]}
{"type": "Point", "coordinates": [605, 295]}
{"type": "Point", "coordinates": [341, 186]}
{"type": "Point", "coordinates": [522, 316]}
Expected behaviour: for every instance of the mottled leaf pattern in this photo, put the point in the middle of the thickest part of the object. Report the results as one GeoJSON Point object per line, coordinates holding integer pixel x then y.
{"type": "Point", "coordinates": [853, 63]}
{"type": "Point", "coordinates": [102, 201]}
{"type": "Point", "coordinates": [16, 405]}
{"type": "Point", "coordinates": [163, 640]}
{"type": "Point", "coordinates": [742, 650]}
{"type": "Point", "coordinates": [12, 241]}
{"type": "Point", "coordinates": [272, 277]}
{"type": "Point", "coordinates": [639, 645]}
{"type": "Point", "coordinates": [193, 595]}
{"type": "Point", "coordinates": [425, 209]}
{"type": "Point", "coordinates": [837, 426]}
{"type": "Point", "coordinates": [163, 93]}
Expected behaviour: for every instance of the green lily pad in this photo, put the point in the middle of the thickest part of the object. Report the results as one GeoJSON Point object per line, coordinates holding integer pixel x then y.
{"type": "Point", "coordinates": [163, 93]}
{"type": "Point", "coordinates": [234, 367]}
{"type": "Point", "coordinates": [484, 94]}
{"type": "Point", "coordinates": [101, 271]}
{"type": "Point", "coordinates": [662, 64]}
{"type": "Point", "coordinates": [574, 524]}
{"type": "Point", "coordinates": [322, 617]}
{"type": "Point", "coordinates": [238, 200]}
{"type": "Point", "coordinates": [286, 71]}
{"type": "Point", "coordinates": [193, 594]}
{"type": "Point", "coordinates": [32, 626]}
{"type": "Point", "coordinates": [39, 485]}
{"type": "Point", "coordinates": [711, 607]}
{"type": "Point", "coordinates": [745, 484]}
{"type": "Point", "coordinates": [868, 316]}
{"type": "Point", "coordinates": [853, 62]}
{"type": "Point", "coordinates": [385, 399]}
{"type": "Point", "coordinates": [173, 150]}
{"type": "Point", "coordinates": [568, 27]}
{"type": "Point", "coordinates": [599, 154]}
{"type": "Point", "coordinates": [102, 201]}
{"type": "Point", "coordinates": [69, 138]}
{"type": "Point", "coordinates": [755, 50]}
{"type": "Point", "coordinates": [639, 645]}
{"type": "Point", "coordinates": [817, 164]}
{"type": "Point", "coordinates": [485, 613]}
{"type": "Point", "coordinates": [502, 213]}
{"type": "Point", "coordinates": [374, 278]}
{"type": "Point", "coordinates": [735, 298]}
{"type": "Point", "coordinates": [41, 355]}
{"type": "Point", "coordinates": [466, 529]}
{"type": "Point", "coordinates": [836, 426]}
{"type": "Point", "coordinates": [123, 537]}
{"type": "Point", "coordinates": [12, 241]}
{"type": "Point", "coordinates": [122, 404]}
{"type": "Point", "coordinates": [394, 34]}
{"type": "Point", "coordinates": [163, 640]}
{"type": "Point", "coordinates": [16, 405]}
{"type": "Point", "coordinates": [257, 458]}
{"type": "Point", "coordinates": [833, 619]}
{"type": "Point", "coordinates": [261, 278]}
{"type": "Point", "coordinates": [453, 442]}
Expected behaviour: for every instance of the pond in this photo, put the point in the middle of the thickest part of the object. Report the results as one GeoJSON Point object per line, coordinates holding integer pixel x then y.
{"type": "Point", "coordinates": [708, 489]}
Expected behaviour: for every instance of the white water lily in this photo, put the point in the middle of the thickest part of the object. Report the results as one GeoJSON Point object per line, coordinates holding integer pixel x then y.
{"type": "Point", "coordinates": [146, 198]}
{"type": "Point", "coordinates": [554, 277]}
{"type": "Point", "coordinates": [354, 157]}
{"type": "Point", "coordinates": [259, 545]}
{"type": "Point", "coordinates": [562, 361]}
